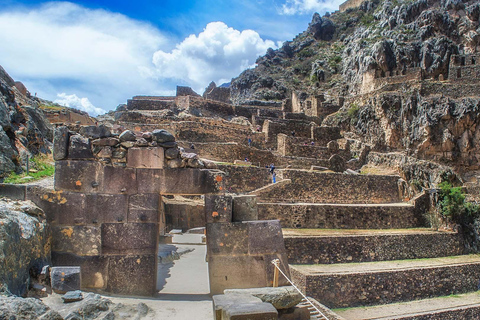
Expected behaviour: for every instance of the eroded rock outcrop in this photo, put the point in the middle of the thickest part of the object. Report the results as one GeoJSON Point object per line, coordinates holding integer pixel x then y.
{"type": "Point", "coordinates": [25, 243]}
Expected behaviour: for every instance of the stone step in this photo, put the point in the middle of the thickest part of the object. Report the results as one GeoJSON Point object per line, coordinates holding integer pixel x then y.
{"type": "Point", "coordinates": [342, 216]}
{"type": "Point", "coordinates": [374, 283]}
{"type": "Point", "coordinates": [461, 306]}
{"type": "Point", "coordinates": [317, 246]}
{"type": "Point", "coordinates": [325, 187]}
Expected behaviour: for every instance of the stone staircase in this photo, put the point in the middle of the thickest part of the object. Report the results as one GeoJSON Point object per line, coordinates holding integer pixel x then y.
{"type": "Point", "coordinates": [355, 245]}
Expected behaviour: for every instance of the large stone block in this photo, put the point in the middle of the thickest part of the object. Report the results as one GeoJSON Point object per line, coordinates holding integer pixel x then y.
{"type": "Point", "coordinates": [242, 271]}
{"type": "Point", "coordinates": [80, 240]}
{"type": "Point", "coordinates": [13, 191]}
{"type": "Point", "coordinates": [180, 181]}
{"type": "Point", "coordinates": [146, 158]}
{"type": "Point", "coordinates": [227, 238]}
{"type": "Point", "coordinates": [265, 237]}
{"type": "Point", "coordinates": [244, 208]}
{"type": "Point", "coordinates": [270, 268]}
{"type": "Point", "coordinates": [65, 279]}
{"type": "Point", "coordinates": [106, 208]}
{"type": "Point", "coordinates": [60, 143]}
{"type": "Point", "coordinates": [95, 132]}
{"type": "Point", "coordinates": [250, 311]}
{"type": "Point", "coordinates": [119, 180]}
{"type": "Point", "coordinates": [93, 269]}
{"type": "Point", "coordinates": [132, 275]}
{"type": "Point", "coordinates": [144, 208]}
{"type": "Point", "coordinates": [221, 301]}
{"type": "Point", "coordinates": [279, 297]}
{"type": "Point", "coordinates": [129, 238]}
{"type": "Point", "coordinates": [80, 176]}
{"type": "Point", "coordinates": [60, 207]}
{"type": "Point", "coordinates": [218, 208]}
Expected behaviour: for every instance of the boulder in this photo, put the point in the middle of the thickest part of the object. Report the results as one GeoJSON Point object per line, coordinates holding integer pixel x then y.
{"type": "Point", "coordinates": [24, 246]}
{"type": "Point", "coordinates": [147, 136]}
{"type": "Point", "coordinates": [172, 153]}
{"type": "Point", "coordinates": [175, 163]}
{"type": "Point", "coordinates": [72, 296]}
{"type": "Point", "coordinates": [279, 297]}
{"type": "Point", "coordinates": [162, 136]}
{"type": "Point", "coordinates": [170, 144]}
{"type": "Point", "coordinates": [104, 142]}
{"type": "Point", "coordinates": [26, 309]}
{"type": "Point", "coordinates": [65, 279]}
{"type": "Point", "coordinates": [127, 135]}
{"type": "Point", "coordinates": [79, 148]}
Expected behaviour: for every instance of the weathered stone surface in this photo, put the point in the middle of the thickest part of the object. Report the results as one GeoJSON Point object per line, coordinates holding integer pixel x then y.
{"type": "Point", "coordinates": [80, 176]}
{"type": "Point", "coordinates": [279, 297]}
{"type": "Point", "coordinates": [60, 143]}
{"type": "Point", "coordinates": [26, 309]}
{"type": "Point", "coordinates": [129, 238]}
{"type": "Point", "coordinates": [227, 238]}
{"type": "Point", "coordinates": [221, 301]}
{"type": "Point", "coordinates": [81, 240]}
{"type": "Point", "coordinates": [337, 163]}
{"type": "Point", "coordinates": [144, 208]}
{"type": "Point", "coordinates": [146, 158]}
{"type": "Point", "coordinates": [127, 135]}
{"type": "Point", "coordinates": [105, 152]}
{"type": "Point", "coordinates": [119, 180]}
{"type": "Point", "coordinates": [65, 279]}
{"type": "Point", "coordinates": [172, 153]}
{"type": "Point", "coordinates": [180, 181]}
{"type": "Point", "coordinates": [333, 146]}
{"type": "Point", "coordinates": [106, 208]}
{"type": "Point", "coordinates": [141, 142]}
{"type": "Point", "coordinates": [175, 163]}
{"type": "Point", "coordinates": [95, 132]}
{"type": "Point", "coordinates": [162, 136]}
{"type": "Point", "coordinates": [60, 207]}
{"type": "Point", "coordinates": [147, 136]}
{"type": "Point", "coordinates": [265, 237]}
{"type": "Point", "coordinates": [106, 142]}
{"type": "Point", "coordinates": [72, 296]}
{"type": "Point", "coordinates": [127, 144]}
{"type": "Point", "coordinates": [94, 269]}
{"type": "Point", "coordinates": [250, 311]}
{"type": "Point", "coordinates": [235, 271]}
{"type": "Point", "coordinates": [79, 148]}
{"type": "Point", "coordinates": [244, 208]}
{"type": "Point", "coordinates": [166, 145]}
{"type": "Point", "coordinates": [13, 191]}
{"type": "Point", "coordinates": [24, 245]}
{"type": "Point", "coordinates": [218, 208]}
{"type": "Point", "coordinates": [122, 269]}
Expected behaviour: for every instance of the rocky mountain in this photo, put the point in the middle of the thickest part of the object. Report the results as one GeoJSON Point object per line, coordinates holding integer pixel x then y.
{"type": "Point", "coordinates": [24, 129]}
{"type": "Point", "coordinates": [404, 72]}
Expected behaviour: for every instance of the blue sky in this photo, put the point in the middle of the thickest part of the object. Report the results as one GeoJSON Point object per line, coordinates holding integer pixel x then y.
{"type": "Point", "coordinates": [94, 55]}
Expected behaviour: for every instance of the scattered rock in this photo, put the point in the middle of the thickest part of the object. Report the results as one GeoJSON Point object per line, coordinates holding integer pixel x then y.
{"type": "Point", "coordinates": [127, 135]}
{"type": "Point", "coordinates": [72, 296]}
{"type": "Point", "coordinates": [162, 136]}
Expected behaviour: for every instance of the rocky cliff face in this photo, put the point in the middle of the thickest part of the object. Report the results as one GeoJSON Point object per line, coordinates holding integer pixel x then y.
{"type": "Point", "coordinates": [24, 130]}
{"type": "Point", "coordinates": [408, 71]}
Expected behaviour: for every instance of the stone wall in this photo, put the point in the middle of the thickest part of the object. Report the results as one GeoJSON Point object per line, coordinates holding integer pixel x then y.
{"type": "Point", "coordinates": [293, 146]}
{"type": "Point", "coordinates": [361, 289]}
{"type": "Point", "coordinates": [318, 187]}
{"type": "Point", "coordinates": [464, 67]}
{"type": "Point", "coordinates": [243, 179]}
{"type": "Point", "coordinates": [375, 79]}
{"type": "Point", "coordinates": [325, 216]}
{"type": "Point", "coordinates": [366, 248]}
{"type": "Point", "coordinates": [273, 128]}
{"type": "Point", "coordinates": [150, 104]}
{"type": "Point", "coordinates": [219, 94]}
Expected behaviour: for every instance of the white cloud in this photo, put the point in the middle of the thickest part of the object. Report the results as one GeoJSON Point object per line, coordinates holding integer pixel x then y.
{"type": "Point", "coordinates": [61, 47]}
{"type": "Point", "coordinates": [82, 104]}
{"type": "Point", "coordinates": [218, 53]}
{"type": "Point", "coordinates": [292, 7]}
{"type": "Point", "coordinates": [94, 53]}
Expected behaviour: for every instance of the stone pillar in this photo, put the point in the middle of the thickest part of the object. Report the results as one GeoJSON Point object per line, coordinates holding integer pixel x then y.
{"type": "Point", "coordinates": [245, 208]}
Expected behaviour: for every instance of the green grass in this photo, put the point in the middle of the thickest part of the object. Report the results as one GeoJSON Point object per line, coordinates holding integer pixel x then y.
{"type": "Point", "coordinates": [41, 167]}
